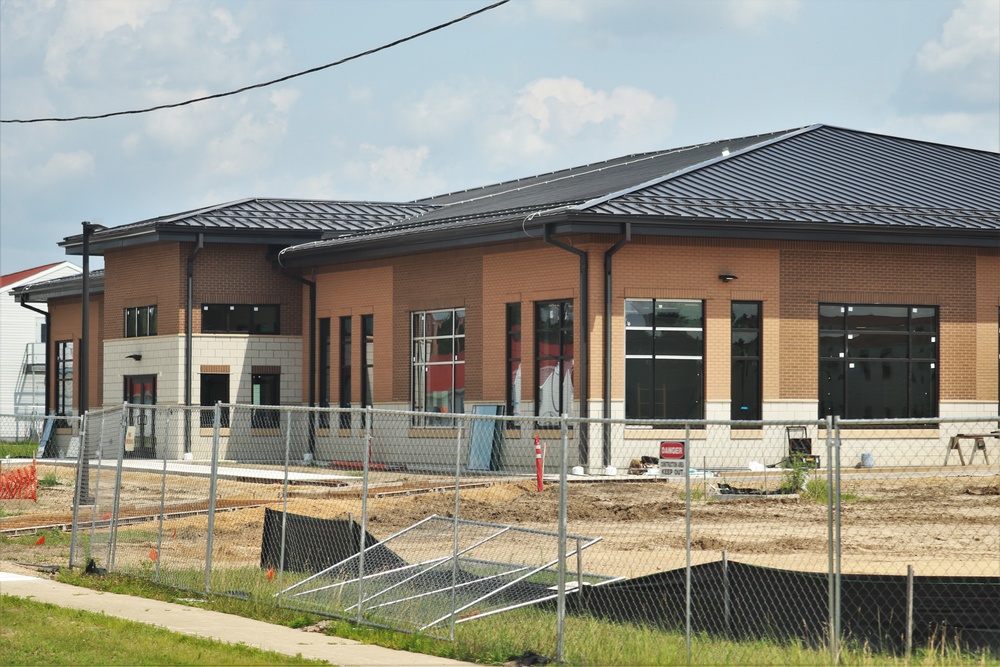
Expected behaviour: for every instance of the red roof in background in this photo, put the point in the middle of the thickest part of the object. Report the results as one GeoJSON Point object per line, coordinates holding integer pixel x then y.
{"type": "Point", "coordinates": [12, 278]}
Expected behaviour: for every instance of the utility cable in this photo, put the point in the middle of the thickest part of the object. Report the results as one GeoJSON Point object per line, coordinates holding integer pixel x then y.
{"type": "Point", "coordinates": [266, 83]}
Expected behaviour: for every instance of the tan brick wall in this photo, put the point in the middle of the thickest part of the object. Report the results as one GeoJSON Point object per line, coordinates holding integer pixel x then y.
{"type": "Point", "coordinates": [66, 323]}
{"type": "Point", "coordinates": [790, 279]}
{"type": "Point", "coordinates": [144, 276]}
{"type": "Point", "coordinates": [238, 273]}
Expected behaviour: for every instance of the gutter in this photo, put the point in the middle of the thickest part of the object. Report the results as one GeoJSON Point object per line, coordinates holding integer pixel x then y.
{"type": "Point", "coordinates": [584, 339]}
{"type": "Point", "coordinates": [188, 342]}
{"type": "Point", "coordinates": [24, 304]}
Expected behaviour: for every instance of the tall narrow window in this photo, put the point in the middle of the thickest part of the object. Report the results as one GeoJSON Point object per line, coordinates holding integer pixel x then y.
{"type": "Point", "coordinates": [745, 388]}
{"type": "Point", "coordinates": [324, 370]}
{"type": "Point", "coordinates": [664, 359]}
{"type": "Point", "coordinates": [140, 321]}
{"type": "Point", "coordinates": [554, 358]}
{"type": "Point", "coordinates": [64, 377]}
{"type": "Point", "coordinates": [214, 389]}
{"type": "Point", "coordinates": [438, 362]}
{"type": "Point", "coordinates": [345, 370]}
{"type": "Point", "coordinates": [878, 362]}
{"type": "Point", "coordinates": [367, 361]}
{"type": "Point", "coordinates": [266, 389]}
{"type": "Point", "coordinates": [513, 360]}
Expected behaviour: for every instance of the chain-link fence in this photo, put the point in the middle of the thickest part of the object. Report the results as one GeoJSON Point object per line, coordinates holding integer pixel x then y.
{"type": "Point", "coordinates": [713, 536]}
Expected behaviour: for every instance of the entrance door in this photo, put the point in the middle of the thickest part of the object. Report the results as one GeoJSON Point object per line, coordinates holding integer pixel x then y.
{"type": "Point", "coordinates": [141, 390]}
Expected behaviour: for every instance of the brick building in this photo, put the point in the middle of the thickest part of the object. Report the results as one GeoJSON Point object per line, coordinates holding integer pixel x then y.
{"type": "Point", "coordinates": [794, 275]}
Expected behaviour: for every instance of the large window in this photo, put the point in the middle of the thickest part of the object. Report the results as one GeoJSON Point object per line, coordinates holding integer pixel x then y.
{"type": "Point", "coordinates": [240, 318]}
{"type": "Point", "coordinates": [439, 361]}
{"type": "Point", "coordinates": [140, 321]}
{"type": "Point", "coordinates": [214, 389]}
{"type": "Point", "coordinates": [664, 359]}
{"type": "Point", "coordinates": [513, 361]}
{"type": "Point", "coordinates": [745, 386]}
{"type": "Point", "coordinates": [64, 377]}
{"type": "Point", "coordinates": [554, 358]}
{"type": "Point", "coordinates": [266, 389]}
{"type": "Point", "coordinates": [878, 362]}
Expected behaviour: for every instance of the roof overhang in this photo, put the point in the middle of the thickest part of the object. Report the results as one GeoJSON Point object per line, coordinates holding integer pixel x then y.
{"type": "Point", "coordinates": [115, 239]}
{"type": "Point", "coordinates": [59, 288]}
{"type": "Point", "coordinates": [445, 236]}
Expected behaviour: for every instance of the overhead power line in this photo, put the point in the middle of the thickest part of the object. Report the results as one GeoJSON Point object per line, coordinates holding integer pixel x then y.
{"type": "Point", "coordinates": [265, 83]}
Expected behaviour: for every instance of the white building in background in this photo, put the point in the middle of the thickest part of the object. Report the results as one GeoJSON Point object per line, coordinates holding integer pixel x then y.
{"type": "Point", "coordinates": [22, 345]}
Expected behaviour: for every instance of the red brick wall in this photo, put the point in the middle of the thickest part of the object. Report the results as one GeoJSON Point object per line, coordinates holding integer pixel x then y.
{"type": "Point", "coordinates": [66, 323]}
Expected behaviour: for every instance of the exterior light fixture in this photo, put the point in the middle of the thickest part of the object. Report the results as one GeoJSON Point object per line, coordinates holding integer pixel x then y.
{"type": "Point", "coordinates": [727, 277]}
{"type": "Point", "coordinates": [136, 356]}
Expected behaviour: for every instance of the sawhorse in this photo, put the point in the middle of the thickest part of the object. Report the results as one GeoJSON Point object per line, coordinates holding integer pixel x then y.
{"type": "Point", "coordinates": [979, 440]}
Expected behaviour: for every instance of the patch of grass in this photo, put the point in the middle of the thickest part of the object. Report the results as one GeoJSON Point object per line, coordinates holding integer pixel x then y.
{"type": "Point", "coordinates": [36, 633]}
{"type": "Point", "coordinates": [18, 450]}
{"type": "Point", "coordinates": [816, 491]}
{"type": "Point", "coordinates": [52, 537]}
{"type": "Point", "coordinates": [49, 480]}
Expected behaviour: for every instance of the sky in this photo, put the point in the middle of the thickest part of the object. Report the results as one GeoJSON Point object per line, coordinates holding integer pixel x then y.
{"type": "Point", "coordinates": [526, 88]}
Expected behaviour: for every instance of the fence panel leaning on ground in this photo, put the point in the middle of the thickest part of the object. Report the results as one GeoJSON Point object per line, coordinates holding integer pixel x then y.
{"type": "Point", "coordinates": [827, 534]}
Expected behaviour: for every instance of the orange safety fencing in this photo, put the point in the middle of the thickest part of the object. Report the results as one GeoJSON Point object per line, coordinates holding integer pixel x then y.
{"type": "Point", "coordinates": [19, 483]}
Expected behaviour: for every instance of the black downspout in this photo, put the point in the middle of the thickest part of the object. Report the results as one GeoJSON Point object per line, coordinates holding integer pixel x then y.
{"type": "Point", "coordinates": [189, 341]}
{"type": "Point", "coordinates": [24, 304]}
{"type": "Point", "coordinates": [312, 351]}
{"type": "Point", "coordinates": [83, 496]}
{"type": "Point", "coordinates": [606, 387]}
{"type": "Point", "coordinates": [584, 341]}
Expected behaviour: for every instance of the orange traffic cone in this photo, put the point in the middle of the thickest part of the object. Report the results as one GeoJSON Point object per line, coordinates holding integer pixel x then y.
{"type": "Point", "coordinates": [270, 574]}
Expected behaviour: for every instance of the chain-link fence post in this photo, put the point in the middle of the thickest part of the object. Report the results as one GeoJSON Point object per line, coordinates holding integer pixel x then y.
{"type": "Point", "coordinates": [835, 645]}
{"type": "Point", "coordinates": [454, 538]}
{"type": "Point", "coordinates": [84, 427]}
{"type": "Point", "coordinates": [163, 494]}
{"type": "Point", "coordinates": [212, 488]}
{"type": "Point", "coordinates": [116, 496]}
{"type": "Point", "coordinates": [284, 504]}
{"type": "Point", "coordinates": [687, 540]}
{"type": "Point", "coordinates": [830, 586]}
{"type": "Point", "coordinates": [561, 570]}
{"type": "Point", "coordinates": [364, 510]}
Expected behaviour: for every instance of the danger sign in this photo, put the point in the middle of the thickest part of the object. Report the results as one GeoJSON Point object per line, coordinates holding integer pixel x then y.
{"type": "Point", "coordinates": [672, 459]}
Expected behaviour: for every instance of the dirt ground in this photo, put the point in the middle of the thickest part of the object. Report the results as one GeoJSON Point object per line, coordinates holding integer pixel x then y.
{"type": "Point", "coordinates": [943, 522]}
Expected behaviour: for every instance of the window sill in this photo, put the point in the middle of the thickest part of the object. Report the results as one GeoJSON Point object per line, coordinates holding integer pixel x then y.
{"type": "Point", "coordinates": [639, 433]}
{"type": "Point", "coordinates": [264, 430]}
{"type": "Point", "coordinates": [873, 432]}
{"type": "Point", "coordinates": [224, 432]}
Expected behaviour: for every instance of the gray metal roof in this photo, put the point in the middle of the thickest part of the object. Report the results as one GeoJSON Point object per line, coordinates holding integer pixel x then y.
{"type": "Point", "coordinates": [42, 291]}
{"type": "Point", "coordinates": [285, 221]}
{"type": "Point", "coordinates": [818, 182]}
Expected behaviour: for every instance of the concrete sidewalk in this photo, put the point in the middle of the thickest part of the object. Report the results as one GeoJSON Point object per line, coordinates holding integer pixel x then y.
{"type": "Point", "coordinates": [214, 625]}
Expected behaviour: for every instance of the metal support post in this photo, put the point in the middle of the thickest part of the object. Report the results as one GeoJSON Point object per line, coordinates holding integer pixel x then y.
{"type": "Point", "coordinates": [212, 489]}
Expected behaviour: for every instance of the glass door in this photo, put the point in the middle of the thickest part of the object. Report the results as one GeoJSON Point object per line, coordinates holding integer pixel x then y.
{"type": "Point", "coordinates": [141, 390]}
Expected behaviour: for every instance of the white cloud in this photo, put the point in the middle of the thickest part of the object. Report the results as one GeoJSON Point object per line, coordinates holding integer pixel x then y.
{"type": "Point", "coordinates": [975, 130]}
{"type": "Point", "coordinates": [62, 168]}
{"type": "Point", "coordinates": [392, 173]}
{"type": "Point", "coordinates": [757, 13]}
{"type": "Point", "coordinates": [443, 109]}
{"type": "Point", "coordinates": [550, 114]}
{"type": "Point", "coordinates": [245, 147]}
{"type": "Point", "coordinates": [625, 18]}
{"type": "Point", "coordinates": [953, 89]}
{"type": "Point", "coordinates": [283, 99]}
{"type": "Point", "coordinates": [970, 36]}
{"type": "Point", "coordinates": [85, 25]}
{"type": "Point", "coordinates": [230, 31]}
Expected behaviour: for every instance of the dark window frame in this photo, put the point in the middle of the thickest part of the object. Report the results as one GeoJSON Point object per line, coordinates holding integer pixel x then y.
{"type": "Point", "coordinates": [843, 348]}
{"type": "Point", "coordinates": [434, 349]}
{"type": "Point", "coordinates": [367, 364]}
{"type": "Point", "coordinates": [261, 383]}
{"type": "Point", "coordinates": [232, 312]}
{"type": "Point", "coordinates": [345, 345]}
{"type": "Point", "coordinates": [661, 339]}
{"type": "Point", "coordinates": [514, 369]}
{"type": "Point", "coordinates": [141, 321]}
{"type": "Point", "coordinates": [561, 351]}
{"type": "Point", "coordinates": [64, 371]}
{"type": "Point", "coordinates": [209, 398]}
{"type": "Point", "coordinates": [743, 358]}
